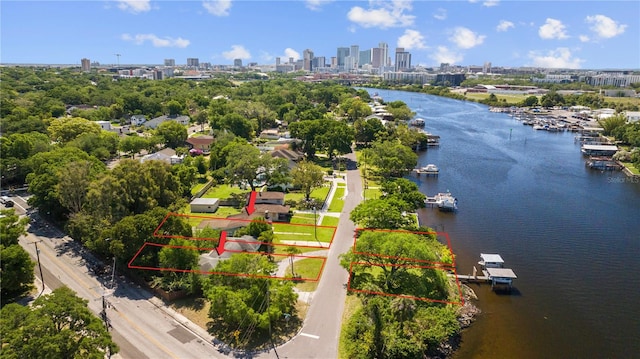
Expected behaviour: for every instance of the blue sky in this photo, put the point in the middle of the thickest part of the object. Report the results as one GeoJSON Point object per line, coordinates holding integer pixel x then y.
{"type": "Point", "coordinates": [565, 34]}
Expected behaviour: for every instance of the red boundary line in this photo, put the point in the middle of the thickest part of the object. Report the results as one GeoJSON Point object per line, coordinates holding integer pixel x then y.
{"type": "Point", "coordinates": [317, 278]}
{"type": "Point", "coordinates": [355, 239]}
{"type": "Point", "coordinates": [156, 232]}
{"type": "Point", "coordinates": [461, 302]}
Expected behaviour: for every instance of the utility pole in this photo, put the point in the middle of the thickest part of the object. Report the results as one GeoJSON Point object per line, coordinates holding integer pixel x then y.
{"type": "Point", "coordinates": [39, 265]}
{"type": "Point", "coordinates": [113, 272]}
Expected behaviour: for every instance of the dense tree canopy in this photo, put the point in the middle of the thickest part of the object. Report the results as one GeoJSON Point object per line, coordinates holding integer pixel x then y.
{"type": "Point", "coordinates": [390, 158]}
{"type": "Point", "coordinates": [57, 325]}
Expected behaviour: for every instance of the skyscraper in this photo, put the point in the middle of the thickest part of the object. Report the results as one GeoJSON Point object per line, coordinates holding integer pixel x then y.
{"type": "Point", "coordinates": [193, 62]}
{"type": "Point", "coordinates": [307, 56]}
{"type": "Point", "coordinates": [170, 62]}
{"type": "Point", "coordinates": [354, 52]}
{"type": "Point", "coordinates": [364, 58]}
{"type": "Point", "coordinates": [86, 65]}
{"type": "Point", "coordinates": [237, 62]}
{"type": "Point", "coordinates": [384, 54]}
{"type": "Point", "coordinates": [343, 52]}
{"type": "Point", "coordinates": [403, 59]}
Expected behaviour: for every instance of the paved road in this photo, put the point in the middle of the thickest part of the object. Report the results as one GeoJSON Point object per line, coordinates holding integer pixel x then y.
{"type": "Point", "coordinates": [321, 329]}
{"type": "Point", "coordinates": [141, 325]}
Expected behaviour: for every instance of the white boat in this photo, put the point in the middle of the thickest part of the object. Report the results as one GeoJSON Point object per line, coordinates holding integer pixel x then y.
{"type": "Point", "coordinates": [429, 169]}
{"type": "Point", "coordinates": [417, 122]}
{"type": "Point", "coordinates": [445, 202]}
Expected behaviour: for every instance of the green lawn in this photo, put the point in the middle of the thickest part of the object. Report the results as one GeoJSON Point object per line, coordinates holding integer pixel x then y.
{"type": "Point", "coordinates": [303, 218]}
{"type": "Point", "coordinates": [511, 99]}
{"type": "Point", "coordinates": [202, 181]}
{"type": "Point", "coordinates": [372, 193]}
{"type": "Point", "coordinates": [337, 202]}
{"type": "Point", "coordinates": [631, 168]}
{"type": "Point", "coordinates": [306, 268]}
{"type": "Point", "coordinates": [223, 191]}
{"type": "Point", "coordinates": [289, 232]}
{"type": "Point", "coordinates": [319, 194]}
{"type": "Point", "coordinates": [330, 221]}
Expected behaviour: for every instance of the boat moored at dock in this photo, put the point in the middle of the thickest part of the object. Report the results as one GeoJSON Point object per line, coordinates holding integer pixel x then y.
{"type": "Point", "coordinates": [429, 170]}
{"type": "Point", "coordinates": [492, 266]}
{"type": "Point", "coordinates": [446, 202]}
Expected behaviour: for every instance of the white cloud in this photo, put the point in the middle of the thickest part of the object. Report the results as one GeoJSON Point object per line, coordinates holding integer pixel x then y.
{"type": "Point", "coordinates": [440, 14]}
{"type": "Point", "coordinates": [289, 52]}
{"type": "Point", "coordinates": [236, 52]}
{"type": "Point", "coordinates": [558, 58]}
{"type": "Point", "coordinates": [490, 3]}
{"type": "Point", "coordinates": [382, 14]}
{"type": "Point", "coordinates": [505, 25]}
{"type": "Point", "coordinates": [605, 27]}
{"type": "Point", "coordinates": [465, 38]}
{"type": "Point", "coordinates": [316, 5]}
{"type": "Point", "coordinates": [584, 38]}
{"type": "Point", "coordinates": [217, 7]}
{"type": "Point", "coordinates": [134, 6]}
{"type": "Point", "coordinates": [156, 41]}
{"type": "Point", "coordinates": [411, 39]}
{"type": "Point", "coordinates": [444, 55]}
{"type": "Point", "coordinates": [552, 29]}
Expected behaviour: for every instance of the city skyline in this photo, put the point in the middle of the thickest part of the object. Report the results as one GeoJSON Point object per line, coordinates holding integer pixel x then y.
{"type": "Point", "coordinates": [579, 35]}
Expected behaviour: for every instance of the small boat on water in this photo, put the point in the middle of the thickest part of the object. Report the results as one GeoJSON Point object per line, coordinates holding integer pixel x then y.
{"type": "Point", "coordinates": [429, 169]}
{"type": "Point", "coordinates": [417, 122]}
{"type": "Point", "coordinates": [446, 202]}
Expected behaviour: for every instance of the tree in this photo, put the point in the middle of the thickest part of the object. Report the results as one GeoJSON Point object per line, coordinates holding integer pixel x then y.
{"type": "Point", "coordinates": [390, 158]}
{"type": "Point", "coordinates": [73, 189]}
{"type": "Point", "coordinates": [396, 255]}
{"type": "Point", "coordinates": [404, 190]}
{"type": "Point", "coordinates": [610, 124]}
{"type": "Point", "coordinates": [11, 227]}
{"type": "Point", "coordinates": [57, 325]}
{"type": "Point", "coordinates": [354, 108]}
{"type": "Point", "coordinates": [201, 118]}
{"type": "Point", "coordinates": [310, 133]}
{"type": "Point", "coordinates": [367, 131]}
{"type": "Point", "coordinates": [308, 176]}
{"type": "Point", "coordinates": [65, 129]}
{"type": "Point", "coordinates": [292, 251]}
{"type": "Point", "coordinates": [380, 213]}
{"type": "Point", "coordinates": [133, 144]}
{"type": "Point", "coordinates": [243, 309]}
{"type": "Point", "coordinates": [174, 108]}
{"type": "Point", "coordinates": [173, 133]}
{"type": "Point", "coordinates": [530, 101]}
{"type": "Point", "coordinates": [337, 138]}
{"type": "Point", "coordinates": [245, 164]}
{"type": "Point", "coordinates": [17, 272]}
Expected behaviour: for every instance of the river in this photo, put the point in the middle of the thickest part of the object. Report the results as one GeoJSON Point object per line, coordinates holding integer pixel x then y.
{"type": "Point", "coordinates": [571, 234]}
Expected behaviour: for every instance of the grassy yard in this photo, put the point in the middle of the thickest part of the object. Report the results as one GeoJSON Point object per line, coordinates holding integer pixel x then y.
{"type": "Point", "coordinates": [337, 202]}
{"type": "Point", "coordinates": [319, 194]}
{"type": "Point", "coordinates": [303, 218]}
{"type": "Point", "coordinates": [511, 99]}
{"type": "Point", "coordinates": [224, 191]}
{"type": "Point", "coordinates": [623, 100]}
{"type": "Point", "coordinates": [372, 193]}
{"type": "Point", "coordinates": [201, 182]}
{"type": "Point", "coordinates": [631, 168]}
{"type": "Point", "coordinates": [289, 232]}
{"type": "Point", "coordinates": [330, 221]}
{"type": "Point", "coordinates": [306, 268]}
{"type": "Point", "coordinates": [195, 309]}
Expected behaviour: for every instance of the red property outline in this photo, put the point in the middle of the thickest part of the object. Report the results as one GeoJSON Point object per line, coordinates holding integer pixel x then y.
{"type": "Point", "coordinates": [442, 264]}
{"type": "Point", "coordinates": [156, 231]}
{"type": "Point", "coordinates": [131, 266]}
{"type": "Point", "coordinates": [461, 302]}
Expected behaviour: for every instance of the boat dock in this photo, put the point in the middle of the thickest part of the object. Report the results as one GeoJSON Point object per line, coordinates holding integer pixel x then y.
{"type": "Point", "coordinates": [428, 170]}
{"type": "Point", "coordinates": [445, 202]}
{"type": "Point", "coordinates": [493, 272]}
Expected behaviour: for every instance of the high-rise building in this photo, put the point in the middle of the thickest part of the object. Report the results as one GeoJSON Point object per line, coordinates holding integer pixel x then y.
{"type": "Point", "coordinates": [403, 59]}
{"type": "Point", "coordinates": [384, 54]}
{"type": "Point", "coordinates": [334, 62]}
{"type": "Point", "coordinates": [486, 68]}
{"type": "Point", "coordinates": [277, 61]}
{"type": "Point", "coordinates": [376, 60]}
{"type": "Point", "coordinates": [193, 62]}
{"type": "Point", "coordinates": [237, 62]}
{"type": "Point", "coordinates": [307, 60]}
{"type": "Point", "coordinates": [319, 62]}
{"type": "Point", "coordinates": [364, 58]}
{"type": "Point", "coordinates": [86, 65]}
{"type": "Point", "coordinates": [170, 62]}
{"type": "Point", "coordinates": [354, 52]}
{"type": "Point", "coordinates": [343, 52]}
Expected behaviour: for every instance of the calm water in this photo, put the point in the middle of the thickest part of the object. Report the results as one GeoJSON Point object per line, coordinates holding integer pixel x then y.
{"type": "Point", "coordinates": [571, 234]}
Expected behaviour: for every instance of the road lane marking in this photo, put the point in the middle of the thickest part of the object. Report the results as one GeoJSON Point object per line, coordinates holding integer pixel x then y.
{"type": "Point", "coordinates": [310, 336]}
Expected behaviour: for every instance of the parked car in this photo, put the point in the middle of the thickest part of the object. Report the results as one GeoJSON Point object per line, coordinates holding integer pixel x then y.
{"type": "Point", "coordinates": [6, 201]}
